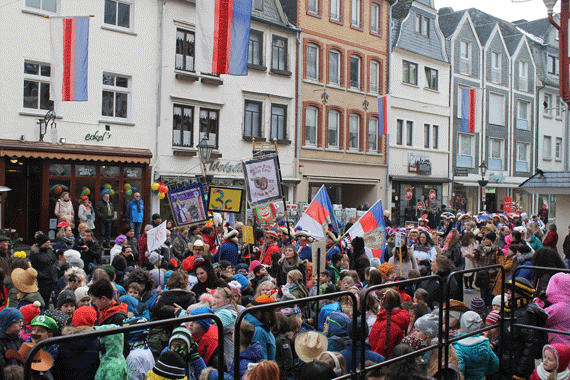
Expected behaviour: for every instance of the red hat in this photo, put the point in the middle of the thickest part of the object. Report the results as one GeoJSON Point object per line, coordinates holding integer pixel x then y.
{"type": "Point", "coordinates": [84, 198]}
{"type": "Point", "coordinates": [271, 233]}
{"type": "Point", "coordinates": [174, 263]}
{"type": "Point", "coordinates": [62, 224]}
{"type": "Point", "coordinates": [30, 311]}
{"type": "Point", "coordinates": [84, 316]}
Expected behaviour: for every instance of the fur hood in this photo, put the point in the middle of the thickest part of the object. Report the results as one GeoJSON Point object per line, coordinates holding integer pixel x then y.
{"type": "Point", "coordinates": [71, 330]}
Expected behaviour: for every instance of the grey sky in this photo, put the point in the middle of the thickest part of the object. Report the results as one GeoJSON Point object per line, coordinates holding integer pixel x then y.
{"type": "Point", "coordinates": [505, 9]}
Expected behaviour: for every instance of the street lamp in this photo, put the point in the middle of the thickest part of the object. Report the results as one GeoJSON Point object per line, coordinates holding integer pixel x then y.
{"type": "Point", "coordinates": [550, 5]}
{"type": "Point", "coordinates": [205, 152]}
{"type": "Point", "coordinates": [483, 167]}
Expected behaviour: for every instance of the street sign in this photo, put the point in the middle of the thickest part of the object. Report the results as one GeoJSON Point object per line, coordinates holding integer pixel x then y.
{"type": "Point", "coordinates": [420, 206]}
{"type": "Point", "coordinates": [461, 172]}
{"type": "Point", "coordinates": [432, 195]}
{"type": "Point", "coordinates": [409, 193]}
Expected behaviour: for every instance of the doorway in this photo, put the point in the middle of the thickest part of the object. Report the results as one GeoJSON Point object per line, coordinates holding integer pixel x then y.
{"type": "Point", "coordinates": [16, 206]}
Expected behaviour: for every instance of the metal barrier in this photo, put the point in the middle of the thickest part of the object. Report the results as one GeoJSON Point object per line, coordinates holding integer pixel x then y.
{"type": "Point", "coordinates": [375, 288]}
{"type": "Point", "coordinates": [282, 304]}
{"type": "Point", "coordinates": [125, 329]}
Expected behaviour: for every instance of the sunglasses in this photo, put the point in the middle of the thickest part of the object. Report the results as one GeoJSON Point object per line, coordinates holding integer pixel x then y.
{"type": "Point", "coordinates": [73, 280]}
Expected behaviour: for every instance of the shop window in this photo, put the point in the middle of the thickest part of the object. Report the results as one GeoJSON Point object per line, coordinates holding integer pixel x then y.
{"type": "Point", "coordinates": [60, 170]}
{"type": "Point", "coordinates": [132, 172]}
{"type": "Point", "coordinates": [110, 171]}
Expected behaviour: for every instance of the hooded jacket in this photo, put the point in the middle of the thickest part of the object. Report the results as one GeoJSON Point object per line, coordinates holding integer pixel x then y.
{"type": "Point", "coordinates": [264, 336]}
{"type": "Point", "coordinates": [77, 359]}
{"type": "Point", "coordinates": [558, 292]}
{"type": "Point", "coordinates": [113, 365]}
{"type": "Point", "coordinates": [476, 358]}
{"type": "Point", "coordinates": [207, 344]}
{"type": "Point", "coordinates": [64, 211]}
{"type": "Point", "coordinates": [337, 333]}
{"type": "Point", "coordinates": [399, 320]}
{"type": "Point", "coordinates": [114, 314]}
{"type": "Point", "coordinates": [326, 310]}
{"type": "Point", "coordinates": [252, 354]}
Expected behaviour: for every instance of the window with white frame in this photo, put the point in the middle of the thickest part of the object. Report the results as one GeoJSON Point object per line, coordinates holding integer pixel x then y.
{"type": "Point", "coordinates": [558, 149]}
{"type": "Point", "coordinates": [184, 50]}
{"type": "Point", "coordinates": [464, 150]}
{"type": "Point", "coordinates": [559, 107]}
{"type": "Point", "coordinates": [522, 160]}
{"type": "Point", "coordinates": [552, 64]}
{"type": "Point", "coordinates": [409, 132]}
{"type": "Point", "coordinates": [43, 5]}
{"type": "Point", "coordinates": [118, 13]}
{"type": "Point", "coordinates": [496, 67]}
{"type": "Point", "coordinates": [547, 147]}
{"type": "Point", "coordinates": [278, 121]}
{"type": "Point", "coordinates": [252, 119]}
{"type": "Point", "coordinates": [435, 137]}
{"type": "Point", "coordinates": [333, 128]}
{"type": "Point", "coordinates": [314, 6]}
{"type": "Point", "coordinates": [431, 78]}
{"type": "Point", "coordinates": [255, 50]}
{"type": "Point", "coordinates": [279, 54]}
{"type": "Point", "coordinates": [421, 25]}
{"type": "Point", "coordinates": [399, 132]}
{"type": "Point", "coordinates": [356, 16]}
{"type": "Point", "coordinates": [523, 76]}
{"type": "Point", "coordinates": [410, 72]}
{"type": "Point", "coordinates": [375, 18]}
{"type": "Point", "coordinates": [373, 134]}
{"type": "Point", "coordinates": [547, 105]}
{"type": "Point", "coordinates": [496, 109]}
{"type": "Point", "coordinates": [465, 57]}
{"type": "Point", "coordinates": [427, 129]}
{"type": "Point", "coordinates": [374, 77]}
{"type": "Point", "coordinates": [496, 149]}
{"type": "Point", "coordinates": [182, 125]}
{"type": "Point", "coordinates": [209, 125]}
{"type": "Point", "coordinates": [36, 86]}
{"type": "Point", "coordinates": [353, 132]}
{"type": "Point", "coordinates": [334, 67]}
{"type": "Point", "coordinates": [335, 9]}
{"type": "Point", "coordinates": [523, 110]}
{"type": "Point", "coordinates": [355, 71]}
{"type": "Point", "coordinates": [312, 62]}
{"type": "Point", "coordinates": [116, 92]}
{"type": "Point", "coordinates": [311, 116]}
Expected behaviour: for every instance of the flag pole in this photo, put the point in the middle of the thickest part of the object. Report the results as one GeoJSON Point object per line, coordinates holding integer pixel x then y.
{"type": "Point", "coordinates": [48, 16]}
{"type": "Point", "coordinates": [400, 250]}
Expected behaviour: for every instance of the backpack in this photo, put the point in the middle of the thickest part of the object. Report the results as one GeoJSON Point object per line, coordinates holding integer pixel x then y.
{"type": "Point", "coordinates": [137, 338]}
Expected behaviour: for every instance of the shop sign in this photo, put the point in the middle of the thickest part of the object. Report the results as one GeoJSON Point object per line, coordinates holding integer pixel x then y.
{"type": "Point", "coordinates": [97, 137]}
{"type": "Point", "coordinates": [228, 167]}
{"type": "Point", "coordinates": [461, 172]}
{"type": "Point", "coordinates": [508, 204]}
{"type": "Point", "coordinates": [419, 163]}
{"type": "Point", "coordinates": [409, 193]}
{"type": "Point", "coordinates": [85, 171]}
{"type": "Point", "coordinates": [495, 177]}
{"type": "Point", "coordinates": [432, 195]}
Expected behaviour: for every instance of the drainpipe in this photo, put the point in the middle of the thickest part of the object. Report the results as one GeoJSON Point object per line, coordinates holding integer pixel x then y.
{"type": "Point", "coordinates": [299, 116]}
{"type": "Point", "coordinates": [536, 137]}
{"type": "Point", "coordinates": [388, 198]}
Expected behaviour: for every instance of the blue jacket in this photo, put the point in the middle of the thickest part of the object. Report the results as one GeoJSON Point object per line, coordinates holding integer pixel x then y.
{"type": "Point", "coordinates": [334, 250]}
{"type": "Point", "coordinates": [264, 336]}
{"type": "Point", "coordinates": [476, 358]}
{"type": "Point", "coordinates": [229, 251]}
{"type": "Point", "coordinates": [133, 214]}
{"type": "Point", "coordinates": [368, 355]}
{"type": "Point", "coordinates": [325, 311]}
{"type": "Point", "coordinates": [306, 253]}
{"type": "Point", "coordinates": [252, 354]}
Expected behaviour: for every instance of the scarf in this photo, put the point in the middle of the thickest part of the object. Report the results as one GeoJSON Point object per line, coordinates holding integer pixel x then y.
{"type": "Point", "coordinates": [286, 266]}
{"type": "Point", "coordinates": [519, 302]}
{"type": "Point", "coordinates": [69, 241]}
{"type": "Point", "coordinates": [138, 203]}
{"type": "Point", "coordinates": [543, 374]}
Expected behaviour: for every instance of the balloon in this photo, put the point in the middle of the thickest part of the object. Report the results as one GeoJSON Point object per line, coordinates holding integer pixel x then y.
{"type": "Point", "coordinates": [58, 189]}
{"type": "Point", "coordinates": [163, 189]}
{"type": "Point", "coordinates": [107, 186]}
{"type": "Point", "coordinates": [161, 195]}
{"type": "Point", "coordinates": [129, 193]}
{"type": "Point", "coordinates": [155, 186]}
{"type": "Point", "coordinates": [112, 192]}
{"type": "Point", "coordinates": [128, 186]}
{"type": "Point", "coordinates": [135, 189]}
{"type": "Point", "coordinates": [83, 194]}
{"type": "Point", "coordinates": [155, 192]}
{"type": "Point", "coordinates": [87, 191]}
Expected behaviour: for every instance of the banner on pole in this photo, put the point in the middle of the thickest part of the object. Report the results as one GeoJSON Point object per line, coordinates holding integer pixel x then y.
{"type": "Point", "coordinates": [224, 199]}
{"type": "Point", "coordinates": [156, 236]}
{"type": "Point", "coordinates": [188, 205]}
{"type": "Point", "coordinates": [263, 180]}
{"type": "Point", "coordinates": [247, 232]}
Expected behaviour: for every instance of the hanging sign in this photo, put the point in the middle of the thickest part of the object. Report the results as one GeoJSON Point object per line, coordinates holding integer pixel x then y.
{"type": "Point", "coordinates": [263, 180]}
{"type": "Point", "coordinates": [409, 193]}
{"type": "Point", "coordinates": [224, 199]}
{"type": "Point", "coordinates": [188, 205]}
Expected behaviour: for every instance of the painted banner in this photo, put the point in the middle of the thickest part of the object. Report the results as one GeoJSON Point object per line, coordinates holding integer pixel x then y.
{"type": "Point", "coordinates": [247, 232]}
{"type": "Point", "coordinates": [156, 236]}
{"type": "Point", "coordinates": [265, 213]}
{"type": "Point", "coordinates": [263, 180]}
{"type": "Point", "coordinates": [224, 199]}
{"type": "Point", "coordinates": [188, 205]}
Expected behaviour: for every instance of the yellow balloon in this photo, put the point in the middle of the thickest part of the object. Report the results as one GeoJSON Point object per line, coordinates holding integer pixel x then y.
{"type": "Point", "coordinates": [87, 191]}
{"type": "Point", "coordinates": [155, 186]}
{"type": "Point", "coordinates": [112, 192]}
{"type": "Point", "coordinates": [161, 195]}
{"type": "Point", "coordinates": [107, 186]}
{"type": "Point", "coordinates": [128, 186]}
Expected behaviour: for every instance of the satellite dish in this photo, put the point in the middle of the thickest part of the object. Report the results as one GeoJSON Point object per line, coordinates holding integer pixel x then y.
{"type": "Point", "coordinates": [4, 189]}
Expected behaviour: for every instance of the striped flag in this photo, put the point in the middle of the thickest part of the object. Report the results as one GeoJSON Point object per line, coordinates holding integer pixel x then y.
{"type": "Point", "coordinates": [468, 110]}
{"type": "Point", "coordinates": [383, 115]}
{"type": "Point", "coordinates": [222, 36]}
{"type": "Point", "coordinates": [319, 215]}
{"type": "Point", "coordinates": [372, 228]}
{"type": "Point", "coordinates": [69, 58]}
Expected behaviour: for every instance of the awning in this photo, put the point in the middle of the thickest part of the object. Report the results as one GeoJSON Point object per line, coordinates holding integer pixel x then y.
{"type": "Point", "coordinates": [403, 178]}
{"type": "Point", "coordinates": [16, 148]}
{"type": "Point", "coordinates": [347, 180]}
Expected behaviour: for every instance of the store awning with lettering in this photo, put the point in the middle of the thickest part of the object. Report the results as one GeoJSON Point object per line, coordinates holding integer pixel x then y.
{"type": "Point", "coordinates": [16, 148]}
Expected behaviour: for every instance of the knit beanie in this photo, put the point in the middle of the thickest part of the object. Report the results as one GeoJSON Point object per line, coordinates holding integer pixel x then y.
{"type": "Point", "coordinates": [30, 311]}
{"type": "Point", "coordinates": [374, 262]}
{"type": "Point", "coordinates": [263, 299]}
{"type": "Point", "coordinates": [243, 281]}
{"type": "Point", "coordinates": [493, 318]}
{"type": "Point", "coordinates": [491, 236]}
{"type": "Point", "coordinates": [81, 292]}
{"type": "Point", "coordinates": [414, 342]}
{"type": "Point", "coordinates": [522, 287]}
{"type": "Point", "coordinates": [241, 266]}
{"type": "Point", "coordinates": [84, 316]}
{"type": "Point", "coordinates": [66, 296]}
{"type": "Point", "coordinates": [170, 365]}
{"type": "Point", "coordinates": [41, 239]}
{"type": "Point", "coordinates": [428, 324]}
{"type": "Point", "coordinates": [496, 301]}
{"type": "Point", "coordinates": [8, 316]}
{"type": "Point", "coordinates": [181, 333]}
{"type": "Point", "coordinates": [59, 317]}
{"type": "Point", "coordinates": [204, 323]}
{"type": "Point", "coordinates": [470, 321]}
{"type": "Point", "coordinates": [478, 305]}
{"type": "Point", "coordinates": [252, 265]}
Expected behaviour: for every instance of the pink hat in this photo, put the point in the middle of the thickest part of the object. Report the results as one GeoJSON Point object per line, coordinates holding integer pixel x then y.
{"type": "Point", "coordinates": [253, 264]}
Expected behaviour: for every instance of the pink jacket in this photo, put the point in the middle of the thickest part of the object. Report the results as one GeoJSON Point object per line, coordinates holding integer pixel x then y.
{"type": "Point", "coordinates": [558, 292]}
{"type": "Point", "coordinates": [507, 244]}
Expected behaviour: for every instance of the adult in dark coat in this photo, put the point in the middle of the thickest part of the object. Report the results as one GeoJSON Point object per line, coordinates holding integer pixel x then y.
{"type": "Point", "coordinates": [442, 266]}
{"type": "Point", "coordinates": [77, 359]}
{"type": "Point", "coordinates": [43, 260]}
{"type": "Point", "coordinates": [105, 213]}
{"type": "Point", "coordinates": [360, 260]}
{"type": "Point", "coordinates": [177, 292]}
{"type": "Point", "coordinates": [90, 251]}
{"type": "Point", "coordinates": [207, 278]}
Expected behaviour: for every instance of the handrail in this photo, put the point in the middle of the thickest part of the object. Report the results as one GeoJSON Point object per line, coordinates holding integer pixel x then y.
{"type": "Point", "coordinates": [124, 329]}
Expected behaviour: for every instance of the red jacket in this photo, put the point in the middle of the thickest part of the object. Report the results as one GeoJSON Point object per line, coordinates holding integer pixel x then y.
{"type": "Point", "coordinates": [142, 241]}
{"type": "Point", "coordinates": [208, 343]}
{"type": "Point", "coordinates": [399, 320]}
{"type": "Point", "coordinates": [267, 252]}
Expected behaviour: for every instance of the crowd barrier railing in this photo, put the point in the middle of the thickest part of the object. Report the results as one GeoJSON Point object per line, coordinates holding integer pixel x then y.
{"type": "Point", "coordinates": [126, 329]}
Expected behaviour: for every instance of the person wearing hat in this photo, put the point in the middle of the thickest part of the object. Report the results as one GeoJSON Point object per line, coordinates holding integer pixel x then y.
{"type": "Point", "coordinates": [199, 248]}
{"type": "Point", "coordinates": [554, 365]}
{"type": "Point", "coordinates": [66, 302]}
{"type": "Point", "coordinates": [25, 283]}
{"type": "Point", "coordinates": [522, 345]}
{"type": "Point", "coordinates": [86, 213]}
{"type": "Point", "coordinates": [169, 366]}
{"type": "Point", "coordinates": [229, 250]}
{"type": "Point", "coordinates": [122, 261]}
{"type": "Point", "coordinates": [304, 239]}
{"type": "Point", "coordinates": [44, 327]}
{"type": "Point", "coordinates": [105, 212]}
{"type": "Point", "coordinates": [269, 247]}
{"type": "Point", "coordinates": [476, 358]}
{"type": "Point", "coordinates": [156, 220]}
{"type": "Point", "coordinates": [205, 333]}
{"type": "Point", "coordinates": [11, 321]}
{"type": "Point", "coordinates": [43, 260]}
{"type": "Point", "coordinates": [183, 344]}
{"type": "Point", "coordinates": [484, 255]}
{"type": "Point", "coordinates": [492, 319]}
{"type": "Point", "coordinates": [120, 241]}
{"type": "Point", "coordinates": [426, 327]}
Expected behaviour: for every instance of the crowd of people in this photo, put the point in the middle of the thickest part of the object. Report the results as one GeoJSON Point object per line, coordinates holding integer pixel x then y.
{"type": "Point", "coordinates": [63, 288]}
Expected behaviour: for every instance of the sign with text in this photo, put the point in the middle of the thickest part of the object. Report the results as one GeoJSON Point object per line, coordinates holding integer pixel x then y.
{"type": "Point", "coordinates": [263, 180]}
{"type": "Point", "coordinates": [156, 236]}
{"type": "Point", "coordinates": [419, 163]}
{"type": "Point", "coordinates": [508, 204]}
{"type": "Point", "coordinates": [398, 239]}
{"type": "Point", "coordinates": [188, 205]}
{"type": "Point", "coordinates": [224, 199]}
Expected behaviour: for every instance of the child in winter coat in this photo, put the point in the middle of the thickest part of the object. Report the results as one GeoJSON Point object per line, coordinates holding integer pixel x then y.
{"type": "Point", "coordinates": [336, 330]}
{"type": "Point", "coordinates": [558, 293]}
{"type": "Point", "coordinates": [476, 359]}
{"type": "Point", "coordinates": [113, 365]}
{"type": "Point", "coordinates": [554, 365]}
{"type": "Point", "coordinates": [391, 324]}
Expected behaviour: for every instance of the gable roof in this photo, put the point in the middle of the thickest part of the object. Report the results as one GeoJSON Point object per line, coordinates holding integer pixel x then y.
{"type": "Point", "coordinates": [547, 183]}
{"type": "Point", "coordinates": [290, 9]}
{"type": "Point", "coordinates": [401, 9]}
{"type": "Point", "coordinates": [448, 22]}
{"type": "Point", "coordinates": [539, 28]}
